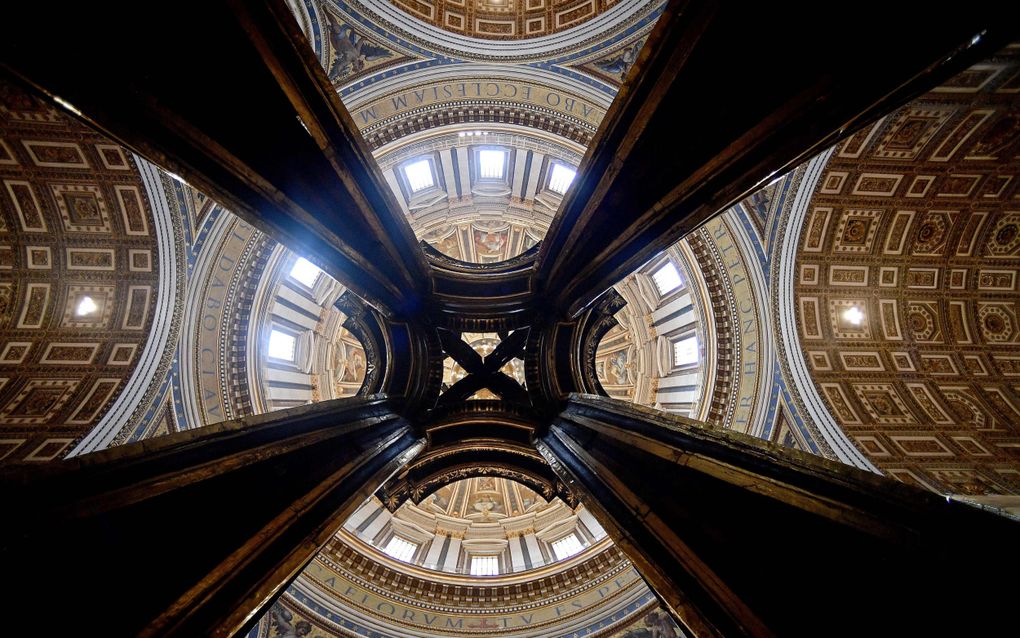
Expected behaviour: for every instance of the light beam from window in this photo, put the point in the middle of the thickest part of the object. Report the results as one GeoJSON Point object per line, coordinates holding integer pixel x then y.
{"type": "Point", "coordinates": [86, 306]}
{"type": "Point", "coordinates": [281, 345]}
{"type": "Point", "coordinates": [400, 549]}
{"type": "Point", "coordinates": [567, 547]}
{"type": "Point", "coordinates": [667, 278]}
{"type": "Point", "coordinates": [305, 271]}
{"type": "Point", "coordinates": [419, 175]}
{"type": "Point", "coordinates": [484, 565]}
{"type": "Point", "coordinates": [853, 315]}
{"type": "Point", "coordinates": [491, 164]}
{"type": "Point", "coordinates": [685, 351]}
{"type": "Point", "coordinates": [561, 178]}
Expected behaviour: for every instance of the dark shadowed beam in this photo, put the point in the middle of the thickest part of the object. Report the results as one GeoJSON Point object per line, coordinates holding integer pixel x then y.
{"type": "Point", "coordinates": [468, 459]}
{"type": "Point", "coordinates": [194, 533]}
{"type": "Point", "coordinates": [482, 437]}
{"type": "Point", "coordinates": [560, 356]}
{"type": "Point", "coordinates": [229, 95]}
{"type": "Point", "coordinates": [481, 297]}
{"type": "Point", "coordinates": [725, 95]}
{"type": "Point", "coordinates": [741, 537]}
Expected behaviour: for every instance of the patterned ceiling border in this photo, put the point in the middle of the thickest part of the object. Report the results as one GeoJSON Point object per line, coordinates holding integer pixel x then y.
{"type": "Point", "coordinates": [758, 286]}
{"type": "Point", "coordinates": [819, 419]}
{"type": "Point", "coordinates": [717, 405]}
{"type": "Point", "coordinates": [241, 342]}
{"type": "Point", "coordinates": [308, 19]}
{"type": "Point", "coordinates": [470, 116]}
{"type": "Point", "coordinates": [760, 226]}
{"type": "Point", "coordinates": [505, 19]}
{"type": "Point", "coordinates": [190, 205]}
{"type": "Point", "coordinates": [633, 608]}
{"type": "Point", "coordinates": [519, 138]}
{"type": "Point", "coordinates": [159, 349]}
{"type": "Point", "coordinates": [189, 411]}
{"type": "Point", "coordinates": [488, 95]}
{"type": "Point", "coordinates": [625, 15]}
{"type": "Point", "coordinates": [578, 64]}
{"type": "Point", "coordinates": [707, 326]}
{"type": "Point", "coordinates": [393, 84]}
{"type": "Point", "coordinates": [344, 592]}
{"type": "Point", "coordinates": [501, 218]}
{"type": "Point", "coordinates": [229, 250]}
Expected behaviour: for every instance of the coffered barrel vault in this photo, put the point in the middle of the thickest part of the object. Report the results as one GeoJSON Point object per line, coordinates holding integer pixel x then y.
{"type": "Point", "coordinates": [506, 19]}
{"type": "Point", "coordinates": [87, 281]}
{"type": "Point", "coordinates": [913, 224]}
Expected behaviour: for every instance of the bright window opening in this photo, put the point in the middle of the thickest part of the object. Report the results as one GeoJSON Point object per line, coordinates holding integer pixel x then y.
{"type": "Point", "coordinates": [667, 278]}
{"type": "Point", "coordinates": [86, 307]}
{"type": "Point", "coordinates": [685, 351]}
{"type": "Point", "coordinates": [484, 565]}
{"type": "Point", "coordinates": [852, 314]}
{"type": "Point", "coordinates": [400, 549]}
{"type": "Point", "coordinates": [491, 164]}
{"type": "Point", "coordinates": [567, 547]}
{"type": "Point", "coordinates": [281, 345]}
{"type": "Point", "coordinates": [305, 271]}
{"type": "Point", "coordinates": [561, 179]}
{"type": "Point", "coordinates": [419, 175]}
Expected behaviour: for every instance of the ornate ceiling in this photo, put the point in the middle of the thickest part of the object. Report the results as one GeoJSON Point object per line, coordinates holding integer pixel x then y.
{"type": "Point", "coordinates": [359, 584]}
{"type": "Point", "coordinates": [468, 216]}
{"type": "Point", "coordinates": [328, 361]}
{"type": "Point", "coordinates": [131, 305]}
{"type": "Point", "coordinates": [356, 39]}
{"type": "Point", "coordinates": [635, 359]}
{"type": "Point", "coordinates": [425, 94]}
{"type": "Point", "coordinates": [734, 270]}
{"type": "Point", "coordinates": [440, 118]}
{"type": "Point", "coordinates": [480, 516]}
{"type": "Point", "coordinates": [484, 498]}
{"type": "Point", "coordinates": [505, 19]}
{"type": "Point", "coordinates": [80, 269]}
{"type": "Point", "coordinates": [724, 303]}
{"type": "Point", "coordinates": [914, 224]}
{"type": "Point", "coordinates": [349, 594]}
